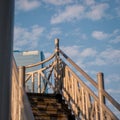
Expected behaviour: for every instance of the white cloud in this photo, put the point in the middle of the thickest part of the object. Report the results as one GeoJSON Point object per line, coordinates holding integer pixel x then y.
{"type": "Point", "coordinates": [89, 2]}
{"type": "Point", "coordinates": [54, 33]}
{"type": "Point", "coordinates": [115, 36]}
{"type": "Point", "coordinates": [74, 53]}
{"type": "Point", "coordinates": [118, 11]}
{"type": "Point", "coordinates": [71, 51]}
{"type": "Point", "coordinates": [97, 11]}
{"type": "Point", "coordinates": [106, 57]}
{"type": "Point", "coordinates": [27, 37]}
{"type": "Point", "coordinates": [109, 56]}
{"type": "Point", "coordinates": [97, 61]}
{"type": "Point", "coordinates": [112, 78]}
{"type": "Point", "coordinates": [27, 5]}
{"type": "Point", "coordinates": [116, 39]}
{"type": "Point", "coordinates": [90, 10]}
{"type": "Point", "coordinates": [58, 2]}
{"type": "Point", "coordinates": [88, 52]}
{"type": "Point", "coordinates": [116, 31]}
{"type": "Point", "coordinates": [99, 35]}
{"type": "Point", "coordinates": [78, 55]}
{"type": "Point", "coordinates": [69, 14]}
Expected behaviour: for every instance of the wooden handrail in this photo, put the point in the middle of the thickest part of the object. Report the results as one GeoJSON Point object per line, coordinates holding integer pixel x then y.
{"type": "Point", "coordinates": [41, 62]}
{"type": "Point", "coordinates": [79, 69]}
{"type": "Point", "coordinates": [113, 101]}
{"type": "Point", "coordinates": [42, 69]}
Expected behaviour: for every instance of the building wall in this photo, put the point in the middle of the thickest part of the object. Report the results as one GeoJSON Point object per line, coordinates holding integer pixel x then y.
{"type": "Point", "coordinates": [24, 58]}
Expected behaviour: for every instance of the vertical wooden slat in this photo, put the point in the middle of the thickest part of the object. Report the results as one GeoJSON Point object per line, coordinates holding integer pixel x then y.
{"type": "Point", "coordinates": [72, 92]}
{"type": "Point", "coordinates": [75, 93]}
{"type": "Point", "coordinates": [39, 83]}
{"type": "Point", "coordinates": [77, 96]}
{"type": "Point", "coordinates": [92, 111]}
{"type": "Point", "coordinates": [96, 111]}
{"type": "Point", "coordinates": [80, 99]}
{"type": "Point", "coordinates": [33, 82]}
{"type": "Point", "coordinates": [72, 87]}
{"type": "Point", "coordinates": [87, 105]}
{"type": "Point", "coordinates": [64, 83]}
{"type": "Point", "coordinates": [108, 117]}
{"type": "Point", "coordinates": [69, 85]}
{"type": "Point", "coordinates": [83, 104]}
{"type": "Point", "coordinates": [67, 78]}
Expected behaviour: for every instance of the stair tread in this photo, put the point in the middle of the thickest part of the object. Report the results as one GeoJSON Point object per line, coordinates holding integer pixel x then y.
{"type": "Point", "coordinates": [40, 111]}
{"type": "Point", "coordinates": [50, 118]}
{"type": "Point", "coordinates": [46, 106]}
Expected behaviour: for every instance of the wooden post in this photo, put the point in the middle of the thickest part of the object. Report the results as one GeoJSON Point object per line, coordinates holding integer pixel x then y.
{"type": "Point", "coordinates": [57, 46]}
{"type": "Point", "coordinates": [100, 89]}
{"type": "Point", "coordinates": [22, 76]}
{"type": "Point", "coordinates": [21, 86]}
{"type": "Point", "coordinates": [57, 82]}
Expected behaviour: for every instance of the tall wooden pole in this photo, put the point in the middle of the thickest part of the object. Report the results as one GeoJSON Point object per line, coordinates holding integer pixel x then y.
{"type": "Point", "coordinates": [57, 80]}
{"type": "Point", "coordinates": [100, 78]}
{"type": "Point", "coordinates": [6, 43]}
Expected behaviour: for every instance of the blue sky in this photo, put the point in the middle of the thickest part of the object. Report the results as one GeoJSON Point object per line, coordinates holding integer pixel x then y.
{"type": "Point", "coordinates": [89, 32]}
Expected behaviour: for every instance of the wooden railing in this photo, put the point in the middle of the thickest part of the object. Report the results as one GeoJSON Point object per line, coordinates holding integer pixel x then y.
{"type": "Point", "coordinates": [40, 80]}
{"type": "Point", "coordinates": [58, 77]}
{"type": "Point", "coordinates": [83, 101]}
{"type": "Point", "coordinates": [85, 104]}
{"type": "Point", "coordinates": [20, 106]}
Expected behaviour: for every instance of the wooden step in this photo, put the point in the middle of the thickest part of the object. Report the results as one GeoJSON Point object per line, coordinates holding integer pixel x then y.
{"type": "Point", "coordinates": [51, 118]}
{"type": "Point", "coordinates": [49, 107]}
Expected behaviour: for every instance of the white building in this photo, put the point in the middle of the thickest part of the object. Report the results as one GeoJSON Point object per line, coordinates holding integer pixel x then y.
{"type": "Point", "coordinates": [24, 58]}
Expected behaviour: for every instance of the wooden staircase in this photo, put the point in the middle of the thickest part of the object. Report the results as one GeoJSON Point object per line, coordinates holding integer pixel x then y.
{"type": "Point", "coordinates": [49, 107]}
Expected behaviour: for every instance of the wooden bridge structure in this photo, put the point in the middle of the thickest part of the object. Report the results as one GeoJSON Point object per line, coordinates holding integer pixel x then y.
{"type": "Point", "coordinates": [65, 94]}
{"type": "Point", "coordinates": [68, 97]}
